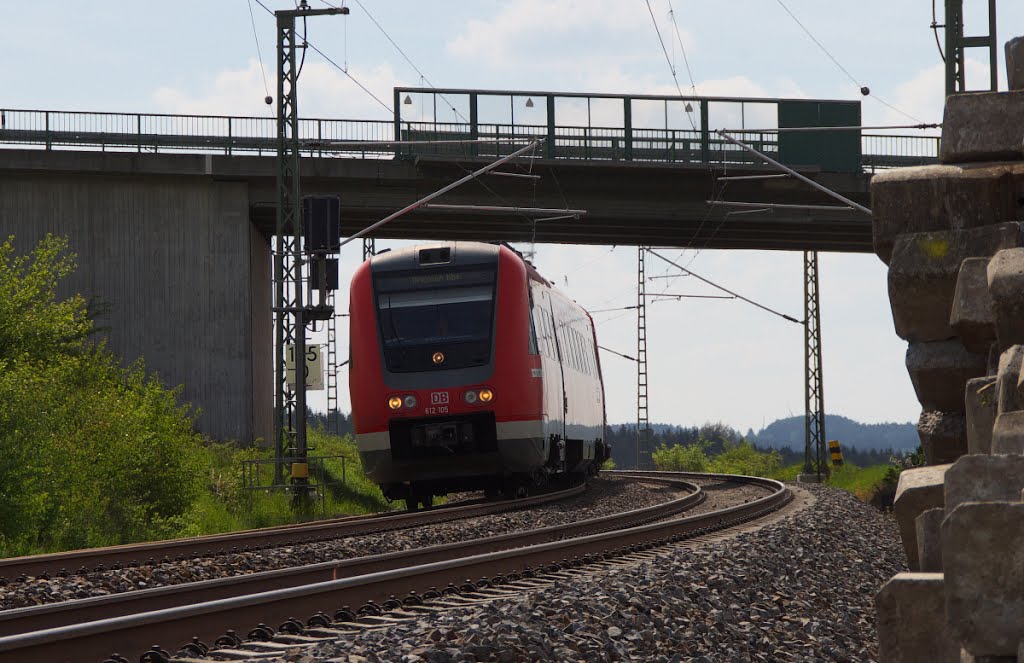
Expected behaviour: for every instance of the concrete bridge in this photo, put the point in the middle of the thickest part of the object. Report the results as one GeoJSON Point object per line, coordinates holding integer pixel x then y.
{"type": "Point", "coordinates": [172, 216]}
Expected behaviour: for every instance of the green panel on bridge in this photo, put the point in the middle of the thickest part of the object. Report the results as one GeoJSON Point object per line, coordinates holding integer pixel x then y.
{"type": "Point", "coordinates": [832, 151]}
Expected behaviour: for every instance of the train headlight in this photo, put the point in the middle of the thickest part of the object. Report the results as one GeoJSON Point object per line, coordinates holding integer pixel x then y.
{"type": "Point", "coordinates": [438, 358]}
{"type": "Point", "coordinates": [486, 395]}
{"type": "Point", "coordinates": [470, 397]}
{"type": "Point", "coordinates": [410, 401]}
{"type": "Point", "coordinates": [394, 402]}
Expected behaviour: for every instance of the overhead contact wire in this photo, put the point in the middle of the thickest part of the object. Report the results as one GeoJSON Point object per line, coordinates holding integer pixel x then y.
{"type": "Point", "coordinates": [724, 289]}
{"type": "Point", "coordinates": [824, 50]}
{"type": "Point", "coordinates": [336, 66]}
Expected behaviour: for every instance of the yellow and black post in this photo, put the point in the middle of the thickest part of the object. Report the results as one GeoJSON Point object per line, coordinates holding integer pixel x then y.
{"type": "Point", "coordinates": [836, 451]}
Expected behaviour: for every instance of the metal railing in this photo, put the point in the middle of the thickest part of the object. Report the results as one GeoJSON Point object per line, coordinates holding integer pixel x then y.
{"type": "Point", "coordinates": [204, 134]}
{"type": "Point", "coordinates": [881, 151]}
{"type": "Point", "coordinates": [258, 475]}
{"type": "Point", "coordinates": [154, 132]}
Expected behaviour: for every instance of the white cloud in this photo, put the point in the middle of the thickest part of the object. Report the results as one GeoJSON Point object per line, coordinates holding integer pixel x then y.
{"type": "Point", "coordinates": [579, 38]}
{"type": "Point", "coordinates": [324, 91]}
{"type": "Point", "coordinates": [921, 97]}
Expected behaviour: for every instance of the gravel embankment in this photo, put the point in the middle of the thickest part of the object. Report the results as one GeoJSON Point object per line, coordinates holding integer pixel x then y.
{"type": "Point", "coordinates": [605, 495]}
{"type": "Point", "coordinates": [801, 589]}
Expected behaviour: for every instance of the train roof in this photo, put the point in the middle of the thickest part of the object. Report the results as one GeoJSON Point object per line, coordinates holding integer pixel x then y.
{"type": "Point", "coordinates": [447, 253]}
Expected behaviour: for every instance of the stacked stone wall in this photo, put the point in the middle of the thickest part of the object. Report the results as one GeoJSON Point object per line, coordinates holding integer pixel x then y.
{"type": "Point", "coordinates": [952, 237]}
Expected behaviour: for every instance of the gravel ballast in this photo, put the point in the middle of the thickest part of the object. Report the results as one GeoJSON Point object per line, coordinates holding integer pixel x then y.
{"type": "Point", "coordinates": [604, 496]}
{"type": "Point", "coordinates": [800, 589]}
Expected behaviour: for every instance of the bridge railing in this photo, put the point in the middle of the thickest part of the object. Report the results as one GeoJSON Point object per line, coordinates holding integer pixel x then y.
{"type": "Point", "coordinates": [157, 132]}
{"type": "Point", "coordinates": [154, 132]}
{"type": "Point", "coordinates": [881, 151]}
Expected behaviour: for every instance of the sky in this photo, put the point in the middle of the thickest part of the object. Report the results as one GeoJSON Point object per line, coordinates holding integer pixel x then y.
{"type": "Point", "coordinates": [710, 360]}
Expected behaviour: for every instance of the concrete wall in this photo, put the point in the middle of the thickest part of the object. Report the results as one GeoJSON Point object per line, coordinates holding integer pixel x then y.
{"type": "Point", "coordinates": [186, 275]}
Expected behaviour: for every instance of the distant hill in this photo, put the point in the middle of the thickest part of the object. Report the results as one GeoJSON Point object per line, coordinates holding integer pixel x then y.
{"type": "Point", "coordinates": [789, 433]}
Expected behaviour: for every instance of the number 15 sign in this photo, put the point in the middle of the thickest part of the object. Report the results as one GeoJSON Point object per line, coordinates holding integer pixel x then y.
{"type": "Point", "coordinates": [314, 366]}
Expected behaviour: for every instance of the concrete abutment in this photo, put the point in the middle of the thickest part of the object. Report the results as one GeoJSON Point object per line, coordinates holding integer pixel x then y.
{"type": "Point", "coordinates": [184, 272]}
{"type": "Point", "coordinates": [951, 237]}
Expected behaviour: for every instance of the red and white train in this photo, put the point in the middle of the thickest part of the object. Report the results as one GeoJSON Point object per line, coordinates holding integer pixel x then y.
{"type": "Point", "coordinates": [469, 371]}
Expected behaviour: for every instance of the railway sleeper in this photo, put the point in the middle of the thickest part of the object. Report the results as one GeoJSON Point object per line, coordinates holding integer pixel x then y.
{"type": "Point", "coordinates": [372, 615]}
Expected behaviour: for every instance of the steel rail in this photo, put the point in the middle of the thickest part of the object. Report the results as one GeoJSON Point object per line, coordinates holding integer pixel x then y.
{"type": "Point", "coordinates": [53, 615]}
{"type": "Point", "coordinates": [255, 539]}
{"type": "Point", "coordinates": [134, 633]}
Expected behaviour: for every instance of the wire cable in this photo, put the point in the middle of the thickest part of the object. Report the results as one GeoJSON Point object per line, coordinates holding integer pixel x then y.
{"type": "Point", "coordinates": [624, 356]}
{"type": "Point", "coordinates": [865, 90]}
{"type": "Point", "coordinates": [407, 59]}
{"type": "Point", "coordinates": [935, 31]}
{"type": "Point", "coordinates": [671, 67]}
{"type": "Point", "coordinates": [336, 65]}
{"type": "Point", "coordinates": [686, 61]}
{"type": "Point", "coordinates": [724, 289]}
{"type": "Point", "coordinates": [820, 45]}
{"type": "Point", "coordinates": [259, 53]}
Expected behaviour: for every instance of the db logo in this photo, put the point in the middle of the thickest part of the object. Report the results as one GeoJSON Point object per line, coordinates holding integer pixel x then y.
{"type": "Point", "coordinates": [439, 398]}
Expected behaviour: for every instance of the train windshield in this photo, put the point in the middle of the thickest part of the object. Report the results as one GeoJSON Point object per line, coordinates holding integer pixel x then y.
{"type": "Point", "coordinates": [429, 324]}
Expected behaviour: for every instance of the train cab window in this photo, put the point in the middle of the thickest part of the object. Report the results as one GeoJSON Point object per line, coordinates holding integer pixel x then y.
{"type": "Point", "coordinates": [450, 314]}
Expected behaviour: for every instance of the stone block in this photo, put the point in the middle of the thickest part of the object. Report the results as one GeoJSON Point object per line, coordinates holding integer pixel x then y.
{"type": "Point", "coordinates": [928, 529]}
{"type": "Point", "coordinates": [1008, 433]}
{"type": "Point", "coordinates": [966, 657]}
{"type": "Point", "coordinates": [1008, 378]}
{"type": "Point", "coordinates": [1006, 287]}
{"type": "Point", "coordinates": [943, 436]}
{"type": "Point", "coordinates": [984, 479]}
{"type": "Point", "coordinates": [993, 360]}
{"type": "Point", "coordinates": [939, 370]}
{"type": "Point", "coordinates": [983, 126]}
{"type": "Point", "coordinates": [971, 317]}
{"type": "Point", "coordinates": [982, 546]}
{"type": "Point", "coordinates": [980, 396]}
{"type": "Point", "coordinates": [931, 198]}
{"type": "Point", "coordinates": [912, 620]}
{"type": "Point", "coordinates": [1015, 63]}
{"type": "Point", "coordinates": [918, 490]}
{"type": "Point", "coordinates": [924, 270]}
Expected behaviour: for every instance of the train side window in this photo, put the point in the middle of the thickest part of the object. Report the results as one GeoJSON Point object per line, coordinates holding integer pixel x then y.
{"type": "Point", "coordinates": [588, 353]}
{"type": "Point", "coordinates": [532, 342]}
{"type": "Point", "coordinates": [549, 334]}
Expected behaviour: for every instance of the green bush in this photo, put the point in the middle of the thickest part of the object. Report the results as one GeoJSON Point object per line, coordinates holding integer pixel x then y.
{"type": "Point", "coordinates": [93, 453]}
{"type": "Point", "coordinates": [735, 458]}
{"type": "Point", "coordinates": [743, 458]}
{"type": "Point", "coordinates": [679, 458]}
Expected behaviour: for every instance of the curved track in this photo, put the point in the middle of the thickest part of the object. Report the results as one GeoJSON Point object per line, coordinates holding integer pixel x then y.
{"type": "Point", "coordinates": [419, 571]}
{"type": "Point", "coordinates": [154, 552]}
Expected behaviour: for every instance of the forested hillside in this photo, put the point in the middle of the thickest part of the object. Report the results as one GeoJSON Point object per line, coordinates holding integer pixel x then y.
{"type": "Point", "coordinates": [789, 432]}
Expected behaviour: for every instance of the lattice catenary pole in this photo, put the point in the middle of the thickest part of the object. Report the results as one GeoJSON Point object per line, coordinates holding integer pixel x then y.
{"type": "Point", "coordinates": [814, 390]}
{"type": "Point", "coordinates": [643, 425]}
{"type": "Point", "coordinates": [956, 43]}
{"type": "Point", "coordinates": [290, 329]}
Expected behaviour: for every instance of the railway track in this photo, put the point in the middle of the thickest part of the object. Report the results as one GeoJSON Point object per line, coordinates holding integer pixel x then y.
{"type": "Point", "coordinates": [20, 620]}
{"type": "Point", "coordinates": [423, 579]}
{"type": "Point", "coordinates": [156, 552]}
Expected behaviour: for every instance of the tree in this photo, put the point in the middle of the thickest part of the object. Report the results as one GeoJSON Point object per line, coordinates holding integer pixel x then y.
{"type": "Point", "coordinates": [91, 452]}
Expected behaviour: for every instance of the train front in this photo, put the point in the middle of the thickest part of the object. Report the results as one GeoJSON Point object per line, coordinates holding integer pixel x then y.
{"type": "Point", "coordinates": [445, 395]}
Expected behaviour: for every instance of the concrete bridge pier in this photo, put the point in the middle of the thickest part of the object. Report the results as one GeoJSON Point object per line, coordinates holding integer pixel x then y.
{"type": "Point", "coordinates": [186, 275]}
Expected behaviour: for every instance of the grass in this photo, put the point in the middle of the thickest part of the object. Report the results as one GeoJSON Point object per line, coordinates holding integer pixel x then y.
{"type": "Point", "coordinates": [864, 482]}
{"type": "Point", "coordinates": [788, 472]}
{"type": "Point", "coordinates": [228, 506]}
